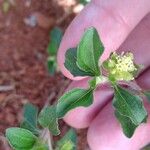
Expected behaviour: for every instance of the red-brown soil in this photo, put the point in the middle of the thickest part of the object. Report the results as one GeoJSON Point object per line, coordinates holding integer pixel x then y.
{"type": "Point", "coordinates": [23, 58]}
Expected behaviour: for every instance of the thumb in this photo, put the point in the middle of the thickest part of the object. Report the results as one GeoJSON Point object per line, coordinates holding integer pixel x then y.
{"type": "Point", "coordinates": [114, 20]}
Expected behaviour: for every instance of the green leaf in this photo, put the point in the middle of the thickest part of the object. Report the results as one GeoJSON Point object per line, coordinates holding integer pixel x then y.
{"type": "Point", "coordinates": [89, 51]}
{"type": "Point", "coordinates": [71, 65]}
{"type": "Point", "coordinates": [73, 99]}
{"type": "Point", "coordinates": [84, 2]}
{"type": "Point", "coordinates": [127, 125]}
{"type": "Point", "coordinates": [67, 145]}
{"type": "Point", "coordinates": [20, 138]}
{"type": "Point", "coordinates": [30, 118]}
{"type": "Point", "coordinates": [48, 119]}
{"type": "Point", "coordinates": [147, 94]}
{"type": "Point", "coordinates": [129, 105]}
{"type": "Point", "coordinates": [52, 65]}
{"type": "Point", "coordinates": [68, 142]}
{"type": "Point", "coordinates": [55, 39]}
{"type": "Point", "coordinates": [39, 145]}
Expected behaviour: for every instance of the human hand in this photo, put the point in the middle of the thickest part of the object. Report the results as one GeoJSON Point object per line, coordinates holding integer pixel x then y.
{"type": "Point", "coordinates": [114, 21]}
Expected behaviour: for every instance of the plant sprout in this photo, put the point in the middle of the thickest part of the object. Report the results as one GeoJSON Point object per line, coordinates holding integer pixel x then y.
{"type": "Point", "coordinates": [29, 136]}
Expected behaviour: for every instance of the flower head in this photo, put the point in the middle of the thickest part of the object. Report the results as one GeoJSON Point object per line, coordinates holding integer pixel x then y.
{"type": "Point", "coordinates": [121, 67]}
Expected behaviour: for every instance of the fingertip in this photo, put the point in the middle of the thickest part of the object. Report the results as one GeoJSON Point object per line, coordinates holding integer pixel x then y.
{"type": "Point", "coordinates": [106, 133]}
{"type": "Point", "coordinates": [77, 118]}
{"type": "Point", "coordinates": [144, 80]}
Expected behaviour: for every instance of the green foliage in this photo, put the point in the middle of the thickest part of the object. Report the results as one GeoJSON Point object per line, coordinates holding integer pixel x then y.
{"type": "Point", "coordinates": [129, 105]}
{"type": "Point", "coordinates": [48, 119]}
{"type": "Point", "coordinates": [68, 145]}
{"type": "Point", "coordinates": [68, 142]}
{"type": "Point", "coordinates": [73, 99]}
{"type": "Point", "coordinates": [127, 125]}
{"type": "Point", "coordinates": [130, 110]}
{"type": "Point", "coordinates": [51, 64]}
{"type": "Point", "coordinates": [89, 51]}
{"type": "Point", "coordinates": [84, 2]}
{"type": "Point", "coordinates": [24, 138]}
{"type": "Point", "coordinates": [55, 39]}
{"type": "Point", "coordinates": [29, 122]}
{"type": "Point", "coordinates": [71, 63]}
{"type": "Point", "coordinates": [83, 61]}
{"type": "Point", "coordinates": [39, 145]}
{"type": "Point", "coordinates": [20, 138]}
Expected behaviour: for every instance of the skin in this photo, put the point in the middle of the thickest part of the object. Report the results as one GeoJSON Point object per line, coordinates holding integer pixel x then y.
{"type": "Point", "coordinates": [122, 26]}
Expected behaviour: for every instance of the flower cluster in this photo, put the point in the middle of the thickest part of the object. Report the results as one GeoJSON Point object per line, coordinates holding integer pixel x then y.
{"type": "Point", "coordinates": [120, 67]}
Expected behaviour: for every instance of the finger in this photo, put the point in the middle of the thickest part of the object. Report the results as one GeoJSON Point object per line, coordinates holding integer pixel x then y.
{"type": "Point", "coordinates": [144, 80]}
{"type": "Point", "coordinates": [138, 42]}
{"type": "Point", "coordinates": [113, 19]}
{"type": "Point", "coordinates": [81, 117]}
{"type": "Point", "coordinates": [105, 133]}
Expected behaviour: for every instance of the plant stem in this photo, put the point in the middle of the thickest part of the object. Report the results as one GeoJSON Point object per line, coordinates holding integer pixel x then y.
{"type": "Point", "coordinates": [46, 136]}
{"type": "Point", "coordinates": [101, 80]}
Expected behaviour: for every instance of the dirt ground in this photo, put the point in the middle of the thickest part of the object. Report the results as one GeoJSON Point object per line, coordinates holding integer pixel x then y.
{"type": "Point", "coordinates": [23, 71]}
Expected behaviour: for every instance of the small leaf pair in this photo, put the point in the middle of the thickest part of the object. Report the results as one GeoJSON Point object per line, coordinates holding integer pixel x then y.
{"type": "Point", "coordinates": [47, 118]}
{"type": "Point", "coordinates": [28, 136]}
{"type": "Point", "coordinates": [83, 61]}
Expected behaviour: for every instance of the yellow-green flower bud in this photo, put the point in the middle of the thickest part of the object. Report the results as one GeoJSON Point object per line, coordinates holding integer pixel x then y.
{"type": "Point", "coordinates": [120, 67]}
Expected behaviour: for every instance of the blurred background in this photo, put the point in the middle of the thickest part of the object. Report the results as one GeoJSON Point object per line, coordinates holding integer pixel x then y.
{"type": "Point", "coordinates": [30, 33]}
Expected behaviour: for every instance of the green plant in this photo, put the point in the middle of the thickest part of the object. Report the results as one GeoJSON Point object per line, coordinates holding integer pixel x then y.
{"type": "Point", "coordinates": [84, 2]}
{"type": "Point", "coordinates": [30, 134]}
{"type": "Point", "coordinates": [119, 70]}
{"type": "Point", "coordinates": [55, 39]}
